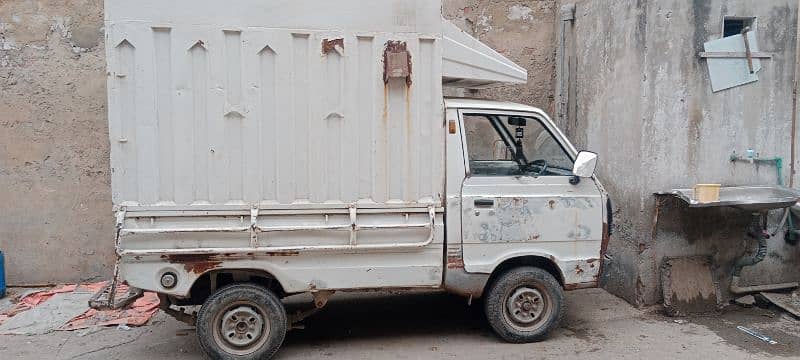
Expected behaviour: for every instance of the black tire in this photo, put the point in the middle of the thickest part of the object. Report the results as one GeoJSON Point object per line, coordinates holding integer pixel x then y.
{"type": "Point", "coordinates": [252, 317]}
{"type": "Point", "coordinates": [532, 322]}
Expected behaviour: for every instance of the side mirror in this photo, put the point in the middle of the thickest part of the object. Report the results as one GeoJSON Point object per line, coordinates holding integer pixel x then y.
{"type": "Point", "coordinates": [585, 164]}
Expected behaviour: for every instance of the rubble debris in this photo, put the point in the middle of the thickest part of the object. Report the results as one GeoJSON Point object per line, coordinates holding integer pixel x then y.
{"type": "Point", "coordinates": [757, 335]}
{"type": "Point", "coordinates": [137, 314]}
{"type": "Point", "coordinates": [747, 301]}
{"type": "Point", "coordinates": [788, 302]}
{"type": "Point", "coordinates": [48, 315]}
{"type": "Point", "coordinates": [66, 308]}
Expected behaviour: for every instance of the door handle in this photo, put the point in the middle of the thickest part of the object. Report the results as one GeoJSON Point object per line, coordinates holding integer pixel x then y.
{"type": "Point", "coordinates": [484, 203]}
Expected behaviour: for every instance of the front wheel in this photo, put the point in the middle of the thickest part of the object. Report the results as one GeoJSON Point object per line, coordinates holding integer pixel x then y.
{"type": "Point", "coordinates": [241, 321]}
{"type": "Point", "coordinates": [524, 305]}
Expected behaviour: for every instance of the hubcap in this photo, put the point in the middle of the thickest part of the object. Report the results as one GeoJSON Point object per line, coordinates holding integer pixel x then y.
{"type": "Point", "coordinates": [525, 306]}
{"type": "Point", "coordinates": [241, 327]}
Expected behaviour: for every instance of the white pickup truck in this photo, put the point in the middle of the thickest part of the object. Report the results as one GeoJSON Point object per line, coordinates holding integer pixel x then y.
{"type": "Point", "coordinates": [266, 148]}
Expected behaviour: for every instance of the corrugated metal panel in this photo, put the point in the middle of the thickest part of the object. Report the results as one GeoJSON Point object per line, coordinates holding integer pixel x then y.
{"type": "Point", "coordinates": [215, 104]}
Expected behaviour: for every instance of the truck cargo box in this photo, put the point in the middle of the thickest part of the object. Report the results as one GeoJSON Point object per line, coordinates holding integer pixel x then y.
{"type": "Point", "coordinates": [284, 102]}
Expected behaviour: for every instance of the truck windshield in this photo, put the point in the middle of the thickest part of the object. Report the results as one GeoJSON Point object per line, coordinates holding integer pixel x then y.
{"type": "Point", "coordinates": [504, 145]}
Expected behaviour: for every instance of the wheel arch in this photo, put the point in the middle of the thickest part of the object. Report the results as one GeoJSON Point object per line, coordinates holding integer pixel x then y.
{"type": "Point", "coordinates": [208, 282]}
{"type": "Point", "coordinates": [541, 262]}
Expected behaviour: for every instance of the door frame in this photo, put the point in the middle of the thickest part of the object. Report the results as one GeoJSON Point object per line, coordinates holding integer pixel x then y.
{"type": "Point", "coordinates": [570, 151]}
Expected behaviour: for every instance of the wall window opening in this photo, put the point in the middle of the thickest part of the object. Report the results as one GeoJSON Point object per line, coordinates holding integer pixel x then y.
{"type": "Point", "coordinates": [734, 25]}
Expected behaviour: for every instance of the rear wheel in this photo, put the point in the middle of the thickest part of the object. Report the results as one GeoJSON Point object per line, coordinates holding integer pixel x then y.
{"type": "Point", "coordinates": [524, 305]}
{"type": "Point", "coordinates": [241, 321]}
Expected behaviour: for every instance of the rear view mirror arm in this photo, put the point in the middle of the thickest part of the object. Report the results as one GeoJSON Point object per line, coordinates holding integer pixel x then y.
{"type": "Point", "coordinates": [505, 135]}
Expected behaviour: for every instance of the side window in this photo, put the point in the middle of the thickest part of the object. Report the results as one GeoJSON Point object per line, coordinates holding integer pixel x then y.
{"type": "Point", "coordinates": [501, 145]}
{"type": "Point", "coordinates": [487, 152]}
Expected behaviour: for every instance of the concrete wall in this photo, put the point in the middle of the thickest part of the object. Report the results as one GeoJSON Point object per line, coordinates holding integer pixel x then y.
{"type": "Point", "coordinates": [523, 31]}
{"type": "Point", "coordinates": [55, 201]}
{"type": "Point", "coordinates": [644, 102]}
{"type": "Point", "coordinates": [56, 223]}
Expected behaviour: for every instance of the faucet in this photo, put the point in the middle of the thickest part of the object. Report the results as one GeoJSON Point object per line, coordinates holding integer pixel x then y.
{"type": "Point", "coordinates": [752, 157]}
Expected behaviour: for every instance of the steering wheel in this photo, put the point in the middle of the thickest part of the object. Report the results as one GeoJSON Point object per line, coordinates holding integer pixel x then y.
{"type": "Point", "coordinates": [541, 163]}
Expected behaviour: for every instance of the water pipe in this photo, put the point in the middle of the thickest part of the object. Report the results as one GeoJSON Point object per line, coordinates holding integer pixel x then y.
{"type": "Point", "coordinates": [754, 159]}
{"type": "Point", "coordinates": [793, 234]}
{"type": "Point", "coordinates": [758, 231]}
{"type": "Point", "coordinates": [2, 276]}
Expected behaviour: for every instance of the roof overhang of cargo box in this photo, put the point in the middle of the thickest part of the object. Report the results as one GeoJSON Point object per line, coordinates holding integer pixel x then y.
{"type": "Point", "coordinates": [466, 62]}
{"type": "Point", "coordinates": [469, 63]}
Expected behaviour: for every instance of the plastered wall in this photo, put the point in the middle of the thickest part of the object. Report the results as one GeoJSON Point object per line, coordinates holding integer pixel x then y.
{"type": "Point", "coordinates": [644, 102]}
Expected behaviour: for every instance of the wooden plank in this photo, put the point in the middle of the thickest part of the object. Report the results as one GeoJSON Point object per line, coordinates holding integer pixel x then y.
{"type": "Point", "coordinates": [735, 55]}
{"type": "Point", "coordinates": [688, 286]}
{"type": "Point", "coordinates": [786, 302]}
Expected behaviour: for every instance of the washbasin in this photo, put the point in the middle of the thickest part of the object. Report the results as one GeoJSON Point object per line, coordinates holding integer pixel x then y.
{"type": "Point", "coordinates": [747, 198]}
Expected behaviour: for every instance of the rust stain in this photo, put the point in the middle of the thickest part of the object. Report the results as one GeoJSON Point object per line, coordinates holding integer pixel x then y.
{"type": "Point", "coordinates": [534, 237]}
{"type": "Point", "coordinates": [552, 204]}
{"type": "Point", "coordinates": [385, 104]}
{"type": "Point", "coordinates": [578, 286]}
{"type": "Point", "coordinates": [589, 261]}
{"type": "Point", "coordinates": [603, 247]}
{"type": "Point", "coordinates": [193, 263]}
{"type": "Point", "coordinates": [578, 269]}
{"type": "Point", "coordinates": [455, 262]}
{"type": "Point", "coordinates": [329, 45]}
{"type": "Point", "coordinates": [408, 131]}
{"type": "Point", "coordinates": [397, 61]}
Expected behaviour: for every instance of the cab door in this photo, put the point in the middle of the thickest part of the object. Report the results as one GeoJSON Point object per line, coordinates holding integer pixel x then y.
{"type": "Point", "coordinates": [520, 197]}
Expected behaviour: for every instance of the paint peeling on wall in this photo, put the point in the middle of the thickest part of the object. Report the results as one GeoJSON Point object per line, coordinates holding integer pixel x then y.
{"type": "Point", "coordinates": [520, 13]}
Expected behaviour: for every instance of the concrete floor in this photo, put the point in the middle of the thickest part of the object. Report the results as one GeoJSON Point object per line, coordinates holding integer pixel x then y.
{"type": "Point", "coordinates": [440, 326]}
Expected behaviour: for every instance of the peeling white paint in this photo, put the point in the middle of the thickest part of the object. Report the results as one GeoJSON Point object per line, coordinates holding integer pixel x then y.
{"type": "Point", "coordinates": [62, 25]}
{"type": "Point", "coordinates": [484, 22]}
{"type": "Point", "coordinates": [8, 44]}
{"type": "Point", "coordinates": [520, 13]}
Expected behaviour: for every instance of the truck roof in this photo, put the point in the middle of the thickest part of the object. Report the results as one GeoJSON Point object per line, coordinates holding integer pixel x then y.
{"type": "Point", "coordinates": [483, 104]}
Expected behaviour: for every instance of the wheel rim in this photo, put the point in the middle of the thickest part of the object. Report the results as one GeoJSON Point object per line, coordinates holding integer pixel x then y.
{"type": "Point", "coordinates": [526, 308]}
{"type": "Point", "coordinates": [240, 328]}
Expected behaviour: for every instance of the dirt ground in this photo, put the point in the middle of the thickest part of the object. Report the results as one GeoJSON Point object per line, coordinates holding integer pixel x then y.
{"type": "Point", "coordinates": [440, 326]}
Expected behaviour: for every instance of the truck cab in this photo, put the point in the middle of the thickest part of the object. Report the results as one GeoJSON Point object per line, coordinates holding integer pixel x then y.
{"type": "Point", "coordinates": [513, 193]}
